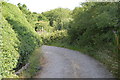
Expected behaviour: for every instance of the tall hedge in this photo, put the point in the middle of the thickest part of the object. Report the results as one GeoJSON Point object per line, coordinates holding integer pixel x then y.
{"type": "Point", "coordinates": [9, 51]}
{"type": "Point", "coordinates": [17, 40]}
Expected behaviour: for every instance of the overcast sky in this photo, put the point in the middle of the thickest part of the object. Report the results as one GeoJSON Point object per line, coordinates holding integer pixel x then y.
{"type": "Point", "coordinates": [45, 5]}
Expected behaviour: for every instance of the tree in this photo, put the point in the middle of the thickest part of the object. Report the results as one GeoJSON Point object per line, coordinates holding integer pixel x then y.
{"type": "Point", "coordinates": [59, 17]}
{"type": "Point", "coordinates": [93, 23]}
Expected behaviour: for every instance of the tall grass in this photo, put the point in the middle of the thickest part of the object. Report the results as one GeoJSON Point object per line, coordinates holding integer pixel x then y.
{"type": "Point", "coordinates": [35, 61]}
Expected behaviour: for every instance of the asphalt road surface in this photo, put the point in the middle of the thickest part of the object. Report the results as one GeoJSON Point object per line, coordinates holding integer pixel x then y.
{"type": "Point", "coordinates": [66, 63]}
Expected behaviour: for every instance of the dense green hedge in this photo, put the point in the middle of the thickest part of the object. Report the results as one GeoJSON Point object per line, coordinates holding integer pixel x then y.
{"type": "Point", "coordinates": [9, 51]}
{"type": "Point", "coordinates": [55, 36]}
{"type": "Point", "coordinates": [18, 40]}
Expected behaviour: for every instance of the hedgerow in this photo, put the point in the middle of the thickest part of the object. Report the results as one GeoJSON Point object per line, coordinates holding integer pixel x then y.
{"type": "Point", "coordinates": [9, 51]}
{"type": "Point", "coordinates": [55, 36]}
{"type": "Point", "coordinates": [18, 40]}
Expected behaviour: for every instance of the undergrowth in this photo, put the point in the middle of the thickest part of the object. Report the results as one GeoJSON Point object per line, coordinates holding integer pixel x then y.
{"type": "Point", "coordinates": [35, 62]}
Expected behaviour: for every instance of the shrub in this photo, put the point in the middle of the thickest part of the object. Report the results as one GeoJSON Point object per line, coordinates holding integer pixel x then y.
{"type": "Point", "coordinates": [43, 26]}
{"type": "Point", "coordinates": [55, 36]}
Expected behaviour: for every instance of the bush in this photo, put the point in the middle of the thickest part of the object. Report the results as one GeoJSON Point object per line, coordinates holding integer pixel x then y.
{"type": "Point", "coordinates": [43, 26]}
{"type": "Point", "coordinates": [55, 36]}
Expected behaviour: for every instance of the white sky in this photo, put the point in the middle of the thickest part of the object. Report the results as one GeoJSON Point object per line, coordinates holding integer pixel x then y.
{"type": "Point", "coordinates": [45, 5]}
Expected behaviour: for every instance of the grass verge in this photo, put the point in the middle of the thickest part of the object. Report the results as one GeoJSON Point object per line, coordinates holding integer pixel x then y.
{"type": "Point", "coordinates": [35, 62]}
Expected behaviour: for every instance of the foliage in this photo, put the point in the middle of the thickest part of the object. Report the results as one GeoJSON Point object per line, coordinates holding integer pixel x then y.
{"type": "Point", "coordinates": [8, 50]}
{"type": "Point", "coordinates": [41, 17]}
{"type": "Point", "coordinates": [92, 29]}
{"type": "Point", "coordinates": [35, 60]}
{"type": "Point", "coordinates": [31, 17]}
{"type": "Point", "coordinates": [55, 36]}
{"type": "Point", "coordinates": [59, 18]}
{"type": "Point", "coordinates": [43, 26]}
{"type": "Point", "coordinates": [38, 21]}
{"type": "Point", "coordinates": [18, 40]}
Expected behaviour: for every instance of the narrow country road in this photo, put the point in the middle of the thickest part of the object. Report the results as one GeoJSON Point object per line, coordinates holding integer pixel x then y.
{"type": "Point", "coordinates": [65, 63]}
